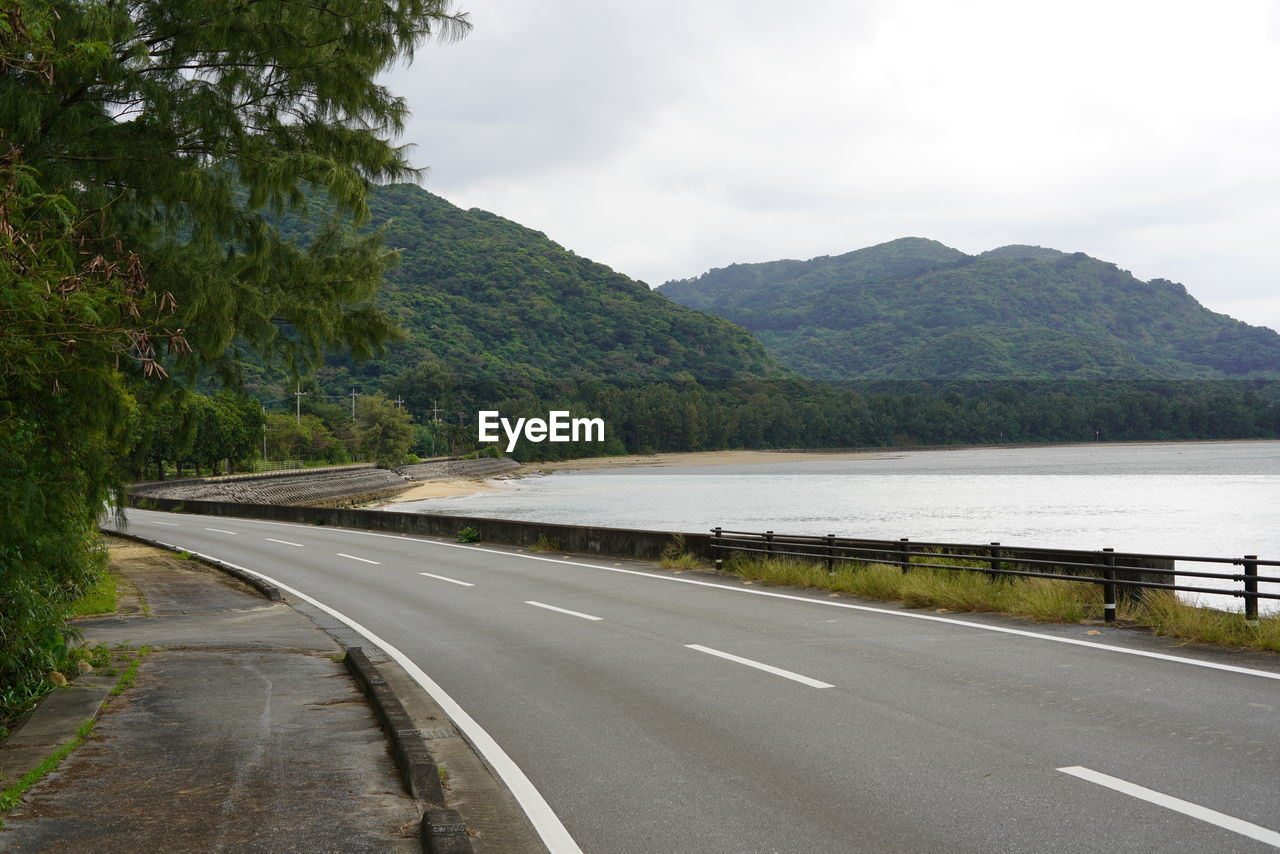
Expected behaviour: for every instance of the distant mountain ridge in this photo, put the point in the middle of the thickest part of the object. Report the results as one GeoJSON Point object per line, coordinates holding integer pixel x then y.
{"type": "Point", "coordinates": [916, 309]}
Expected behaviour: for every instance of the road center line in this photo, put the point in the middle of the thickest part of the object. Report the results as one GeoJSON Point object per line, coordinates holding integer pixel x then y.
{"type": "Point", "coordinates": [450, 580]}
{"type": "Point", "coordinates": [361, 559]}
{"type": "Point", "coordinates": [563, 610]}
{"type": "Point", "coordinates": [221, 531]}
{"type": "Point", "coordinates": [285, 542]}
{"type": "Point", "coordinates": [1133, 790]}
{"type": "Point", "coordinates": [767, 668]}
{"type": "Point", "coordinates": [170, 524]}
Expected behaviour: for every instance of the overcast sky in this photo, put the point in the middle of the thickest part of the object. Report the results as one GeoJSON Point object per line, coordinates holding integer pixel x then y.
{"type": "Point", "coordinates": [666, 139]}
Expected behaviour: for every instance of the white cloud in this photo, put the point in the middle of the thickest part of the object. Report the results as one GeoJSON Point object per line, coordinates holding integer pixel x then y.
{"type": "Point", "coordinates": [664, 141]}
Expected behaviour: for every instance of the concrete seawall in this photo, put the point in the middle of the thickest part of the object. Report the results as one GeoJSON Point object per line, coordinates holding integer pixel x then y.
{"type": "Point", "coordinates": [607, 542]}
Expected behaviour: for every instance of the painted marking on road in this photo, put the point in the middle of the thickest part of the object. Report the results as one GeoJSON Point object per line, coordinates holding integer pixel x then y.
{"type": "Point", "coordinates": [361, 559]}
{"type": "Point", "coordinates": [767, 668]}
{"type": "Point", "coordinates": [753, 591]}
{"type": "Point", "coordinates": [285, 542]}
{"type": "Point", "coordinates": [1133, 790]}
{"type": "Point", "coordinates": [221, 531]}
{"type": "Point", "coordinates": [170, 524]}
{"type": "Point", "coordinates": [563, 610]}
{"type": "Point", "coordinates": [446, 578]}
{"type": "Point", "coordinates": [541, 816]}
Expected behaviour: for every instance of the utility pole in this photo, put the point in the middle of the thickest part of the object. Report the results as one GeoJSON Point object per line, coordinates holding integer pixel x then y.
{"type": "Point", "coordinates": [435, 419]}
{"type": "Point", "coordinates": [297, 397]}
{"type": "Point", "coordinates": [399, 403]}
{"type": "Point", "coordinates": [353, 404]}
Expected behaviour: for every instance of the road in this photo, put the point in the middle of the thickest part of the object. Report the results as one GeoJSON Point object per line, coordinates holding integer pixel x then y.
{"type": "Point", "coordinates": [635, 710]}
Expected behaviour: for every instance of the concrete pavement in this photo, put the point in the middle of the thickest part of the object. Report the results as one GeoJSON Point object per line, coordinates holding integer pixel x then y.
{"type": "Point", "coordinates": [243, 732]}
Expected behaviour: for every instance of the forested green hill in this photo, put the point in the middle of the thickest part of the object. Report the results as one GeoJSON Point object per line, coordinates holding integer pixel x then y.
{"type": "Point", "coordinates": [502, 310]}
{"type": "Point", "coordinates": [915, 309]}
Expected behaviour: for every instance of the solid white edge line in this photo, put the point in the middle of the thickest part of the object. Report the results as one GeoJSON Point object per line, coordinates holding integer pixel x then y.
{"type": "Point", "coordinates": [285, 542]}
{"type": "Point", "coordinates": [541, 816]}
{"type": "Point", "coordinates": [767, 668]}
{"type": "Point", "coordinates": [445, 578]}
{"type": "Point", "coordinates": [1133, 790]}
{"type": "Point", "coordinates": [361, 559]}
{"type": "Point", "coordinates": [562, 610]}
{"type": "Point", "coordinates": [1141, 653]}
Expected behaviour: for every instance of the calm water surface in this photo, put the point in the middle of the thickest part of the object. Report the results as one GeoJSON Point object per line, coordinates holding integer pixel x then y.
{"type": "Point", "coordinates": [1220, 499]}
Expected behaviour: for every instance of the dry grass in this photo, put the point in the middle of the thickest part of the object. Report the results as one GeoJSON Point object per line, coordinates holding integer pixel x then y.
{"type": "Point", "coordinates": [1170, 616]}
{"type": "Point", "coordinates": [1043, 599]}
{"type": "Point", "coordinates": [676, 556]}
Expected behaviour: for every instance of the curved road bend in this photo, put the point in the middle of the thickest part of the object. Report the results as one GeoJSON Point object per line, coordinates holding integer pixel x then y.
{"type": "Point", "coordinates": [656, 712]}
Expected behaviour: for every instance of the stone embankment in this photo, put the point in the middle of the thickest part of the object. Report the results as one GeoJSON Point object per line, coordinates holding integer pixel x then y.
{"type": "Point", "coordinates": [455, 469]}
{"type": "Point", "coordinates": [336, 486]}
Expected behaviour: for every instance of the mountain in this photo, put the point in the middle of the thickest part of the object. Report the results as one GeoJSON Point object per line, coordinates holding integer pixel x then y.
{"type": "Point", "coordinates": [504, 310]}
{"type": "Point", "coordinates": [916, 309]}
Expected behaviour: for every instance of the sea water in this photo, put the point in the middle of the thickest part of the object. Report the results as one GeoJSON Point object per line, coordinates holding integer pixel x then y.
{"type": "Point", "coordinates": [1213, 499]}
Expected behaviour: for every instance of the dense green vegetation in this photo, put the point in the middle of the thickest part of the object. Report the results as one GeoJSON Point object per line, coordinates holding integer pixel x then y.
{"type": "Point", "coordinates": [915, 309]}
{"type": "Point", "coordinates": [493, 309]}
{"type": "Point", "coordinates": [499, 317]}
{"type": "Point", "coordinates": [140, 144]}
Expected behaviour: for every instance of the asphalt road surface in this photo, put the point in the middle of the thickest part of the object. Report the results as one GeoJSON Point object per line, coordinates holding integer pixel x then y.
{"type": "Point", "coordinates": [634, 710]}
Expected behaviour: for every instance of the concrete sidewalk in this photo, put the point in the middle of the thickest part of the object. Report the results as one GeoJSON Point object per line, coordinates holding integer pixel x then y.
{"type": "Point", "coordinates": [242, 732]}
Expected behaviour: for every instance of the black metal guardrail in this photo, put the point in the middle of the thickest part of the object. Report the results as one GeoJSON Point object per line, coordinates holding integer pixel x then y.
{"type": "Point", "coordinates": [1113, 571]}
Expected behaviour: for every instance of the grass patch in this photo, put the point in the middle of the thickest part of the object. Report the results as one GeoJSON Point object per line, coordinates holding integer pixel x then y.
{"type": "Point", "coordinates": [1169, 616]}
{"type": "Point", "coordinates": [12, 796]}
{"type": "Point", "coordinates": [99, 656]}
{"type": "Point", "coordinates": [544, 544]}
{"type": "Point", "coordinates": [99, 599]}
{"type": "Point", "coordinates": [1044, 599]}
{"type": "Point", "coordinates": [676, 555]}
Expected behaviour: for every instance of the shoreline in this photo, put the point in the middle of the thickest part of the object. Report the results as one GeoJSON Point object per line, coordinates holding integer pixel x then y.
{"type": "Point", "coordinates": [459, 487]}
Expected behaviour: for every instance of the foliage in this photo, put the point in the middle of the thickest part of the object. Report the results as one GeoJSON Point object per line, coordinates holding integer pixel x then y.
{"type": "Point", "coordinates": [385, 431]}
{"type": "Point", "coordinates": [495, 310]}
{"type": "Point", "coordinates": [177, 122]}
{"type": "Point", "coordinates": [64, 322]}
{"type": "Point", "coordinates": [915, 309]}
{"type": "Point", "coordinates": [140, 144]}
{"type": "Point", "coordinates": [468, 535]}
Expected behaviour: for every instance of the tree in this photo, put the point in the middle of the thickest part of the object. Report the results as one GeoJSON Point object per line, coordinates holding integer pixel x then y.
{"type": "Point", "coordinates": [384, 431]}
{"type": "Point", "coordinates": [179, 123]}
{"type": "Point", "coordinates": [141, 144]}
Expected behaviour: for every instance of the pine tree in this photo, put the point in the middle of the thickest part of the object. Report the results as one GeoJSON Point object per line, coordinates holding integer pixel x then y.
{"type": "Point", "coordinates": [141, 144]}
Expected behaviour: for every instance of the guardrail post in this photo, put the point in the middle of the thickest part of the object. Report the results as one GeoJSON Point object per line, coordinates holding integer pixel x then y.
{"type": "Point", "coordinates": [995, 561]}
{"type": "Point", "coordinates": [905, 550]}
{"type": "Point", "coordinates": [831, 554]}
{"type": "Point", "coordinates": [717, 545]}
{"type": "Point", "coordinates": [1109, 586]}
{"type": "Point", "coordinates": [768, 541]}
{"type": "Point", "coordinates": [1251, 590]}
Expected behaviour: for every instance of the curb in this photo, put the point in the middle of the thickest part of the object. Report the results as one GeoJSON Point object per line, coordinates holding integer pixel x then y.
{"type": "Point", "coordinates": [270, 591]}
{"type": "Point", "coordinates": [442, 830]}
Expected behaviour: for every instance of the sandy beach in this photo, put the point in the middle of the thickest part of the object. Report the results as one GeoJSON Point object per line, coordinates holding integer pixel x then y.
{"type": "Point", "coordinates": [470, 486]}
